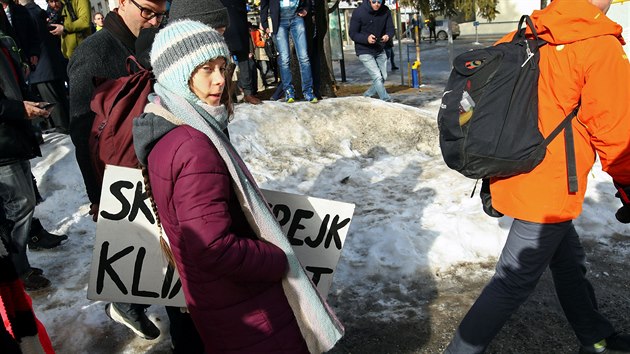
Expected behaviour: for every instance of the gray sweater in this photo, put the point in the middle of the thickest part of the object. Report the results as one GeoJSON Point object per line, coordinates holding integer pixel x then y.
{"type": "Point", "coordinates": [101, 55]}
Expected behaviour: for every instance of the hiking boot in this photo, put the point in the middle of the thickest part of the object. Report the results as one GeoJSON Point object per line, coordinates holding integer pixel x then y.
{"type": "Point", "coordinates": [37, 271]}
{"type": "Point", "coordinates": [39, 238]}
{"type": "Point", "coordinates": [289, 95]}
{"type": "Point", "coordinates": [135, 320]}
{"type": "Point", "coordinates": [616, 344]}
{"type": "Point", "coordinates": [308, 95]}
{"type": "Point", "coordinates": [251, 99]}
{"type": "Point", "coordinates": [33, 281]}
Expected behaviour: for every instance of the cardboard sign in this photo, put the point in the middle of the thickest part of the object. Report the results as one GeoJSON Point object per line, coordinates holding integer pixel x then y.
{"type": "Point", "coordinates": [129, 266]}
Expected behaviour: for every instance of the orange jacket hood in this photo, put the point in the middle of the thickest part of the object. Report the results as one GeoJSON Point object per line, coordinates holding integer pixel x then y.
{"type": "Point", "coordinates": [568, 21]}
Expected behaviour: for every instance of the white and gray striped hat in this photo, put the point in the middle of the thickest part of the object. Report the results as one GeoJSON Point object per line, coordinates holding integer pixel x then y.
{"type": "Point", "coordinates": [179, 48]}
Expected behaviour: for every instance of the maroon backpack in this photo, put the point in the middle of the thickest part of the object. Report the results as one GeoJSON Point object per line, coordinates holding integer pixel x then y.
{"type": "Point", "coordinates": [116, 103]}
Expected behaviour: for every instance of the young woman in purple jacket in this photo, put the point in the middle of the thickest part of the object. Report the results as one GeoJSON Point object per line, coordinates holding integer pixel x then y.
{"type": "Point", "coordinates": [232, 279]}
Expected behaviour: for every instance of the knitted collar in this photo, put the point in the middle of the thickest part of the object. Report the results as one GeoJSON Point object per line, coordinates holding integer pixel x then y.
{"type": "Point", "coordinates": [181, 107]}
{"type": "Point", "coordinates": [115, 24]}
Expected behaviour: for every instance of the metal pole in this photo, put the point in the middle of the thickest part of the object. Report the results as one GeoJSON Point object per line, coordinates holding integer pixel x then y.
{"type": "Point", "coordinates": [398, 19]}
{"type": "Point", "coordinates": [418, 63]}
{"type": "Point", "coordinates": [417, 37]}
{"type": "Point", "coordinates": [342, 62]}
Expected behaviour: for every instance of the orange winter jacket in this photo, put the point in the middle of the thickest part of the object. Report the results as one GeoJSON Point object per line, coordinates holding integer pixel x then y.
{"type": "Point", "coordinates": [257, 38]}
{"type": "Point", "coordinates": [583, 61]}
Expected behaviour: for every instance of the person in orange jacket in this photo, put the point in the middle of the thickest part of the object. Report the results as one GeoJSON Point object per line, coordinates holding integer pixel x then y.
{"type": "Point", "coordinates": [582, 62]}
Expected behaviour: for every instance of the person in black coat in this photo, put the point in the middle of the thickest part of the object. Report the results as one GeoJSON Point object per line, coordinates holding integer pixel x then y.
{"type": "Point", "coordinates": [104, 55]}
{"type": "Point", "coordinates": [17, 146]}
{"type": "Point", "coordinates": [23, 31]}
{"type": "Point", "coordinates": [371, 27]}
{"type": "Point", "coordinates": [238, 40]}
{"type": "Point", "coordinates": [49, 75]}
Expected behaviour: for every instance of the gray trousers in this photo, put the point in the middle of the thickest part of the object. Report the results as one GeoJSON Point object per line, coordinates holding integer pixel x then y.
{"type": "Point", "coordinates": [246, 75]}
{"type": "Point", "coordinates": [529, 249]}
{"type": "Point", "coordinates": [18, 201]}
{"type": "Point", "coordinates": [55, 91]}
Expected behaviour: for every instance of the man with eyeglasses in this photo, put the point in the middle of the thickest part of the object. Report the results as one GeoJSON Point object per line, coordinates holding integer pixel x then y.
{"type": "Point", "coordinates": [75, 27]}
{"type": "Point", "coordinates": [371, 26]}
{"type": "Point", "coordinates": [104, 55]}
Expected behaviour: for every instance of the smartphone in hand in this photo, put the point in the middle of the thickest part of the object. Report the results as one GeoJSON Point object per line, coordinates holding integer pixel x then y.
{"type": "Point", "coordinates": [48, 105]}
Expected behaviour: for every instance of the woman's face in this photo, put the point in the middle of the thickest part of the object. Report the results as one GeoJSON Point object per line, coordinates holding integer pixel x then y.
{"type": "Point", "coordinates": [208, 81]}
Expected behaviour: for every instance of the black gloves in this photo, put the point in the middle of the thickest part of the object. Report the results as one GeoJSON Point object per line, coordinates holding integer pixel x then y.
{"type": "Point", "coordinates": [486, 200]}
{"type": "Point", "coordinates": [623, 193]}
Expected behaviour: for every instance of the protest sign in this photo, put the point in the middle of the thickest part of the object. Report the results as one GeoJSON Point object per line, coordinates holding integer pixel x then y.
{"type": "Point", "coordinates": [128, 264]}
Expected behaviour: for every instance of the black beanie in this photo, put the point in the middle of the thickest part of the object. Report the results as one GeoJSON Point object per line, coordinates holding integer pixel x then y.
{"type": "Point", "coordinates": [209, 12]}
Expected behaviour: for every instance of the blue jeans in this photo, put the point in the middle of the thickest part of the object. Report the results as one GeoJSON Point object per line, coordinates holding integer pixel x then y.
{"type": "Point", "coordinates": [529, 249]}
{"type": "Point", "coordinates": [294, 26]}
{"type": "Point", "coordinates": [376, 66]}
{"type": "Point", "coordinates": [18, 200]}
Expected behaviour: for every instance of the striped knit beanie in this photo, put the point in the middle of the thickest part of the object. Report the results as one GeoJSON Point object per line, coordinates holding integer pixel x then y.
{"type": "Point", "coordinates": [179, 48]}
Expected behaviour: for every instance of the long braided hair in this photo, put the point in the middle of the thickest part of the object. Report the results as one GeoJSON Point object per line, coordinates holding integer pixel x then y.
{"type": "Point", "coordinates": [166, 249]}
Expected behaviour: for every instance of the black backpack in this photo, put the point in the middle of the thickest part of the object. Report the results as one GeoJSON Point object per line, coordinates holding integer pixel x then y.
{"type": "Point", "coordinates": [488, 119]}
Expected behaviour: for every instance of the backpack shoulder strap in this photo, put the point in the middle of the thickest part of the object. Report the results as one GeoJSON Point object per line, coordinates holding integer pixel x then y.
{"type": "Point", "coordinates": [569, 147]}
{"type": "Point", "coordinates": [133, 65]}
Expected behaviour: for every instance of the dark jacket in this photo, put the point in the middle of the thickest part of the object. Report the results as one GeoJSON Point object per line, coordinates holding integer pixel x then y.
{"type": "Point", "coordinates": [52, 64]}
{"type": "Point", "coordinates": [17, 139]}
{"type": "Point", "coordinates": [231, 280]}
{"type": "Point", "coordinates": [364, 22]}
{"type": "Point", "coordinates": [101, 55]}
{"type": "Point", "coordinates": [271, 9]}
{"type": "Point", "coordinates": [237, 34]}
{"type": "Point", "coordinates": [25, 33]}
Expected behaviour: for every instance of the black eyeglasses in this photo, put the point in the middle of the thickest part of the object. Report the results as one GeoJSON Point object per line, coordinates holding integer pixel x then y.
{"type": "Point", "coordinates": [148, 14]}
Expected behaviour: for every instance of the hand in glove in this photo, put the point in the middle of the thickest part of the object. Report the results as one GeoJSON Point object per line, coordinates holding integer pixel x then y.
{"type": "Point", "coordinates": [486, 199]}
{"type": "Point", "coordinates": [623, 213]}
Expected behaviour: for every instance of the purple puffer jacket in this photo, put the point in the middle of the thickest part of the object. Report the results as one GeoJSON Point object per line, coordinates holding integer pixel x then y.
{"type": "Point", "coordinates": [231, 279]}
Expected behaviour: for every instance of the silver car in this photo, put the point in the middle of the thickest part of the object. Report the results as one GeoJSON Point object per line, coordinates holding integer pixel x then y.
{"type": "Point", "coordinates": [441, 29]}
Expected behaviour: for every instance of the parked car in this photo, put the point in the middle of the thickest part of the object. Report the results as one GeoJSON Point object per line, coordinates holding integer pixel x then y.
{"type": "Point", "coordinates": [441, 29]}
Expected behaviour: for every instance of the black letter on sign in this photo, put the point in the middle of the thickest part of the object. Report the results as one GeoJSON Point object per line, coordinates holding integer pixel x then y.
{"type": "Point", "coordinates": [105, 265]}
{"type": "Point", "coordinates": [295, 225]}
{"type": "Point", "coordinates": [286, 213]}
{"type": "Point", "coordinates": [115, 188]}
{"type": "Point", "coordinates": [176, 288]}
{"type": "Point", "coordinates": [137, 270]}
{"type": "Point", "coordinates": [333, 232]}
{"type": "Point", "coordinates": [313, 243]}
{"type": "Point", "coordinates": [317, 273]}
{"type": "Point", "coordinates": [168, 280]}
{"type": "Point", "coordinates": [138, 203]}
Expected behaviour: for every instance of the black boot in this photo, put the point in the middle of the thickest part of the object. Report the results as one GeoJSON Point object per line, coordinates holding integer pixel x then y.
{"type": "Point", "coordinates": [39, 238]}
{"type": "Point", "coordinates": [38, 196]}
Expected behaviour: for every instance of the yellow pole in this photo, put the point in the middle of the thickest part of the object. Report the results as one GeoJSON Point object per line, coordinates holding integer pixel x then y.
{"type": "Point", "coordinates": [619, 1]}
{"type": "Point", "coordinates": [417, 64]}
{"type": "Point", "coordinates": [417, 33]}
